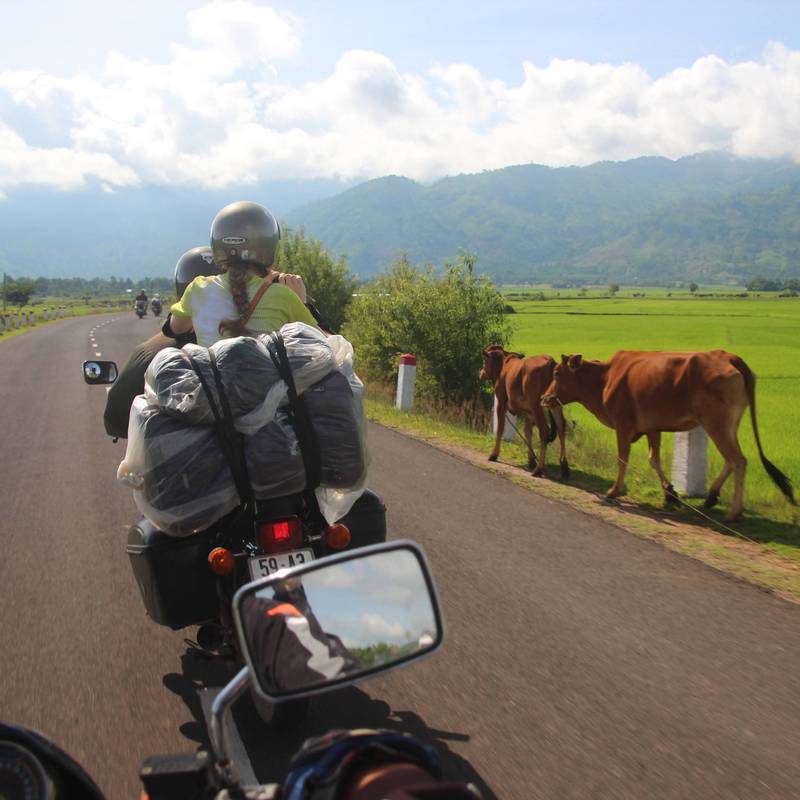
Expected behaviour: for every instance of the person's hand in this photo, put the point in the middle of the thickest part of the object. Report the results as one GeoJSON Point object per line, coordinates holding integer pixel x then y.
{"type": "Point", "coordinates": [293, 282]}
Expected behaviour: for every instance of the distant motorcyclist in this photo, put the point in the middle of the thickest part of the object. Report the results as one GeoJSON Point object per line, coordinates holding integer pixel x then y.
{"type": "Point", "coordinates": [248, 297]}
{"type": "Point", "coordinates": [155, 305]}
{"type": "Point", "coordinates": [194, 262]}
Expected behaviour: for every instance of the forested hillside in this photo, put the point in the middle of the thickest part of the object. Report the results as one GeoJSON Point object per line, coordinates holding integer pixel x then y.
{"type": "Point", "coordinates": [712, 217]}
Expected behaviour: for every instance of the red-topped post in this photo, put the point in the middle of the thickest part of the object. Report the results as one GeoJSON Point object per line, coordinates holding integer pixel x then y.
{"type": "Point", "coordinates": [406, 378]}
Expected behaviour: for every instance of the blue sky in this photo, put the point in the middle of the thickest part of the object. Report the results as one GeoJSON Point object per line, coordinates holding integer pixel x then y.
{"type": "Point", "coordinates": [495, 36]}
{"type": "Point", "coordinates": [236, 91]}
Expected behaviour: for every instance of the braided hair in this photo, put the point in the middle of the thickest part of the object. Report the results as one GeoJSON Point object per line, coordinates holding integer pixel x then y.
{"type": "Point", "coordinates": [238, 275]}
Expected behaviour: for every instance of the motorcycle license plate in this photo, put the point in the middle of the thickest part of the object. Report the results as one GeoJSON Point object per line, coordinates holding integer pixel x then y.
{"type": "Point", "coordinates": [261, 566]}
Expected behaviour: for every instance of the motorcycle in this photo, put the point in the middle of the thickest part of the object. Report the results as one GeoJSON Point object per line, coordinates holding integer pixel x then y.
{"type": "Point", "coordinates": [311, 619]}
{"type": "Point", "coordinates": [155, 305]}
{"type": "Point", "coordinates": [191, 580]}
{"type": "Point", "coordinates": [141, 308]}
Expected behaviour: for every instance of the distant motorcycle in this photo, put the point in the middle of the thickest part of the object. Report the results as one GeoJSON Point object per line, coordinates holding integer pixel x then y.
{"type": "Point", "coordinates": [155, 305]}
{"type": "Point", "coordinates": [141, 308]}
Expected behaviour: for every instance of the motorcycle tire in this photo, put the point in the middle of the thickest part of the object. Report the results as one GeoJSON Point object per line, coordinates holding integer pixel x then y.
{"type": "Point", "coordinates": [286, 716]}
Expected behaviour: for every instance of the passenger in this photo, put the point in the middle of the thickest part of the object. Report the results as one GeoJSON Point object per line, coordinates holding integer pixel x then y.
{"type": "Point", "coordinates": [130, 383]}
{"type": "Point", "coordinates": [248, 298]}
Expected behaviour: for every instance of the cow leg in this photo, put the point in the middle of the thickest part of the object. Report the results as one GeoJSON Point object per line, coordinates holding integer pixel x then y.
{"type": "Point", "coordinates": [502, 406]}
{"type": "Point", "coordinates": [541, 425]}
{"type": "Point", "coordinates": [528, 442]}
{"type": "Point", "coordinates": [713, 493]}
{"type": "Point", "coordinates": [623, 453]}
{"type": "Point", "coordinates": [654, 442]}
{"type": "Point", "coordinates": [723, 434]}
{"type": "Point", "coordinates": [558, 415]}
{"type": "Point", "coordinates": [728, 445]}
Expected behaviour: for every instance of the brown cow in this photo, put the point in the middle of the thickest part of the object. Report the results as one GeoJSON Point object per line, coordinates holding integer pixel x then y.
{"type": "Point", "coordinates": [645, 393]}
{"type": "Point", "coordinates": [518, 386]}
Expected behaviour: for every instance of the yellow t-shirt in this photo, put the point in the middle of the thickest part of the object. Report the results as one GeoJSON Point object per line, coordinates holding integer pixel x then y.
{"type": "Point", "coordinates": [208, 301]}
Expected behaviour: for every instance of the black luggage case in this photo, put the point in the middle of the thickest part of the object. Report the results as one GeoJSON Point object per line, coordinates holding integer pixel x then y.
{"type": "Point", "coordinates": [366, 521]}
{"type": "Point", "coordinates": [177, 585]}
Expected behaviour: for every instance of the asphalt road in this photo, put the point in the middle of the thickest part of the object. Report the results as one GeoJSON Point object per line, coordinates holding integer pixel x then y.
{"type": "Point", "coordinates": [580, 661]}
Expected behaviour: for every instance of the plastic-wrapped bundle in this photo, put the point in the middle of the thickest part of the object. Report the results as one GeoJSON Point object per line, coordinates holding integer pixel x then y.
{"type": "Point", "coordinates": [181, 479]}
{"type": "Point", "coordinates": [252, 385]}
{"type": "Point", "coordinates": [172, 384]}
{"type": "Point", "coordinates": [310, 358]}
{"type": "Point", "coordinates": [274, 462]}
{"type": "Point", "coordinates": [336, 501]}
{"type": "Point", "coordinates": [333, 414]}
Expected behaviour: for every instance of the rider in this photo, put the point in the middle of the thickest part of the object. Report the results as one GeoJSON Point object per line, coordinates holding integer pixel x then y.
{"type": "Point", "coordinates": [194, 262]}
{"type": "Point", "coordinates": [289, 644]}
{"type": "Point", "coordinates": [249, 297]}
{"type": "Point", "coordinates": [141, 297]}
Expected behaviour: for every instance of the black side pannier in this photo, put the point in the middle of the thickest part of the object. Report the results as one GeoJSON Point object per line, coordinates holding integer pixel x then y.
{"type": "Point", "coordinates": [366, 520]}
{"type": "Point", "coordinates": [178, 587]}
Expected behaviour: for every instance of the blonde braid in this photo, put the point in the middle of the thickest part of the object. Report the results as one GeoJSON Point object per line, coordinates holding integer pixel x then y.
{"type": "Point", "coordinates": [238, 275]}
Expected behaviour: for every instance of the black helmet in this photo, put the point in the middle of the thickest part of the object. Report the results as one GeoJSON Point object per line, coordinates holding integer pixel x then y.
{"type": "Point", "coordinates": [245, 232]}
{"type": "Point", "coordinates": [194, 262]}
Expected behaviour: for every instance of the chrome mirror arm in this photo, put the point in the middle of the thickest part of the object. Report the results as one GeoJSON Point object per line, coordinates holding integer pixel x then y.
{"type": "Point", "coordinates": [222, 703]}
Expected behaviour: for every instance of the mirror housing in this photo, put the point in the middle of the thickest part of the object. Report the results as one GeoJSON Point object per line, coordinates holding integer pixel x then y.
{"type": "Point", "coordinates": [95, 372]}
{"type": "Point", "coordinates": [338, 620]}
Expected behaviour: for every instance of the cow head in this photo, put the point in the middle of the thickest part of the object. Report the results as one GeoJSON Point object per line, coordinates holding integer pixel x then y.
{"type": "Point", "coordinates": [564, 386]}
{"type": "Point", "coordinates": [493, 359]}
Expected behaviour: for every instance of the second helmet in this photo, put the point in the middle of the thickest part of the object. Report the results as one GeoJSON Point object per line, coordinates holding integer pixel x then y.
{"type": "Point", "coordinates": [193, 263]}
{"type": "Point", "coordinates": [245, 232]}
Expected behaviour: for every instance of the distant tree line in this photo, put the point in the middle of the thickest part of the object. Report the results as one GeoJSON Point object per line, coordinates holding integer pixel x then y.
{"type": "Point", "coordinates": [773, 285]}
{"type": "Point", "coordinates": [99, 287]}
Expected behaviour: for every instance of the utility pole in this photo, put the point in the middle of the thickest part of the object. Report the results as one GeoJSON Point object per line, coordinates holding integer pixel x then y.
{"type": "Point", "coordinates": [5, 281]}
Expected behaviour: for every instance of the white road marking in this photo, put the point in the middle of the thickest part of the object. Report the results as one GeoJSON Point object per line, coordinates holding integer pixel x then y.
{"type": "Point", "coordinates": [98, 355]}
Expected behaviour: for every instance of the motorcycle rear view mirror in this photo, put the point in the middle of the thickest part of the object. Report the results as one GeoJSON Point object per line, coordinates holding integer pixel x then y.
{"type": "Point", "coordinates": [99, 372]}
{"type": "Point", "coordinates": [338, 620]}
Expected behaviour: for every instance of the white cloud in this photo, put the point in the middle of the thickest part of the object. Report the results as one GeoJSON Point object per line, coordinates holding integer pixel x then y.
{"type": "Point", "coordinates": [217, 112]}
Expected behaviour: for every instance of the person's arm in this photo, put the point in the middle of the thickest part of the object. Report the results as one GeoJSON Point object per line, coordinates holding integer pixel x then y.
{"type": "Point", "coordinates": [180, 318]}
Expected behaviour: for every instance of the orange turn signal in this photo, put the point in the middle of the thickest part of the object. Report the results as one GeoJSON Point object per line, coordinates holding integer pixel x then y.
{"type": "Point", "coordinates": [221, 561]}
{"type": "Point", "coordinates": [337, 536]}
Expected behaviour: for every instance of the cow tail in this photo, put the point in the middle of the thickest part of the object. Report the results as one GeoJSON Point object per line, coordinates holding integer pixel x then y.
{"type": "Point", "coordinates": [553, 432]}
{"type": "Point", "coordinates": [778, 478]}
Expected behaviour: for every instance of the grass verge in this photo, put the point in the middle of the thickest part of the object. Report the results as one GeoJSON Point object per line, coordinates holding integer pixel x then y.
{"type": "Point", "coordinates": [766, 554]}
{"type": "Point", "coordinates": [80, 311]}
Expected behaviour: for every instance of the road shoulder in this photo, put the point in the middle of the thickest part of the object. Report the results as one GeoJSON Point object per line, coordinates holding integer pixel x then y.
{"type": "Point", "coordinates": [738, 558]}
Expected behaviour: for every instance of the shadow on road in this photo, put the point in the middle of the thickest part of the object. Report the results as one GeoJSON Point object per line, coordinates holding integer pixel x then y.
{"type": "Point", "coordinates": [270, 752]}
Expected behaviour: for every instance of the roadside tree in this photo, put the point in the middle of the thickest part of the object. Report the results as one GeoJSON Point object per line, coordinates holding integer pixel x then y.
{"type": "Point", "coordinates": [445, 319]}
{"type": "Point", "coordinates": [19, 292]}
{"type": "Point", "coordinates": [328, 280]}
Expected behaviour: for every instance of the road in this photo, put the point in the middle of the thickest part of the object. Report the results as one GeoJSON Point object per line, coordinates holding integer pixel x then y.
{"type": "Point", "coordinates": [580, 661]}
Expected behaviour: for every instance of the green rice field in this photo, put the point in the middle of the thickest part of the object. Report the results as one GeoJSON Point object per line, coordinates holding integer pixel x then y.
{"type": "Point", "coordinates": [764, 330]}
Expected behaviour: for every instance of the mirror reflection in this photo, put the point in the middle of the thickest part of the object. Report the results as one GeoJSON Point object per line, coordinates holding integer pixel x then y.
{"type": "Point", "coordinates": [339, 621]}
{"type": "Point", "coordinates": [99, 371]}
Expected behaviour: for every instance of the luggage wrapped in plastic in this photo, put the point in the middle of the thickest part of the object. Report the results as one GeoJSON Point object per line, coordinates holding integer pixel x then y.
{"type": "Point", "coordinates": [249, 377]}
{"type": "Point", "coordinates": [181, 480]}
{"type": "Point", "coordinates": [274, 461]}
{"type": "Point", "coordinates": [334, 499]}
{"type": "Point", "coordinates": [172, 384]}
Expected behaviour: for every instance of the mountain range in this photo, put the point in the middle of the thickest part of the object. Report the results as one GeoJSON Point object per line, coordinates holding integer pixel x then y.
{"type": "Point", "coordinates": [710, 218]}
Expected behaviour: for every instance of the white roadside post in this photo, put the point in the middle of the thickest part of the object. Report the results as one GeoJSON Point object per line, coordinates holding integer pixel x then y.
{"type": "Point", "coordinates": [690, 462]}
{"type": "Point", "coordinates": [511, 422]}
{"type": "Point", "coordinates": [406, 378]}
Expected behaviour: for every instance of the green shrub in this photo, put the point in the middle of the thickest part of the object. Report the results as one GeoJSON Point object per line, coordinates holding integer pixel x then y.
{"type": "Point", "coordinates": [444, 319]}
{"type": "Point", "coordinates": [328, 279]}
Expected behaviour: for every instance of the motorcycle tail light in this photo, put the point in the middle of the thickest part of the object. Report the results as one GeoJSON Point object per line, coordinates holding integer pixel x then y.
{"type": "Point", "coordinates": [280, 535]}
{"type": "Point", "coordinates": [337, 536]}
{"type": "Point", "coordinates": [221, 561]}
